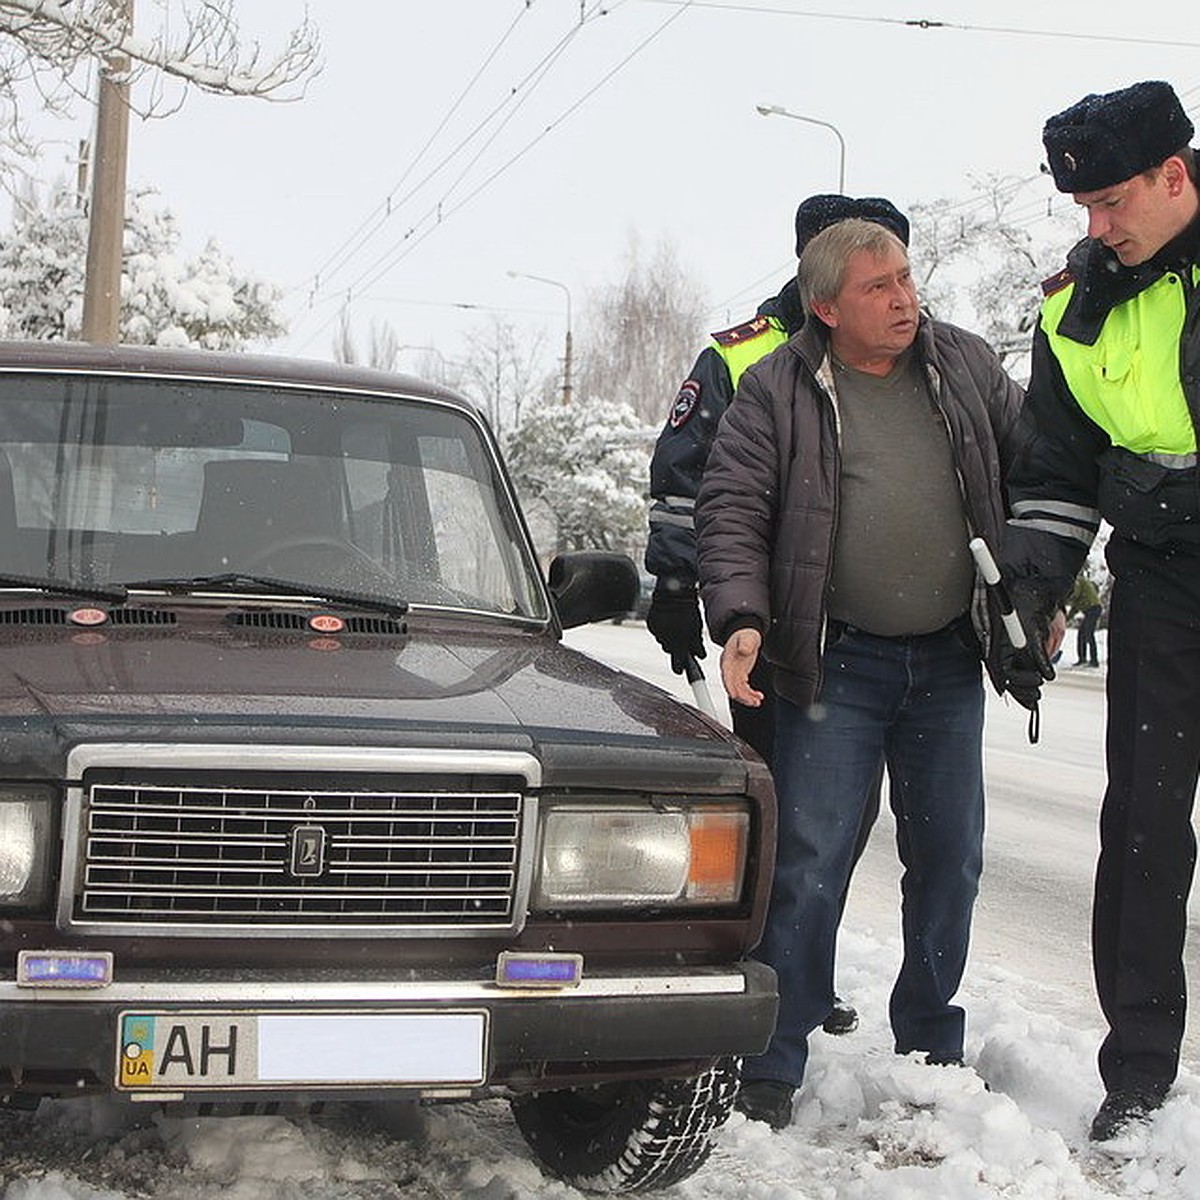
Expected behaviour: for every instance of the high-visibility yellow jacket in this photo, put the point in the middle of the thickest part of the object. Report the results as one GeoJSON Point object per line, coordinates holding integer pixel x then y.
{"type": "Point", "coordinates": [1113, 404]}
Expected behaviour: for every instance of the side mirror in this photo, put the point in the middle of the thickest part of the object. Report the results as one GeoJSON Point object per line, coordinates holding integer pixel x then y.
{"type": "Point", "coordinates": [592, 585]}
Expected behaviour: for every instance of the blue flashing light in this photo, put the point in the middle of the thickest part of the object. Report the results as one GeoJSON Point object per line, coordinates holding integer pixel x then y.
{"type": "Point", "coordinates": [539, 970]}
{"type": "Point", "coordinates": [51, 969]}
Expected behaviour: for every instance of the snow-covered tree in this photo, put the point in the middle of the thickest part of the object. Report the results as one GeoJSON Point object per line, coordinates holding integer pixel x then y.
{"type": "Point", "coordinates": [48, 49]}
{"type": "Point", "coordinates": [979, 261]}
{"type": "Point", "coordinates": [641, 334]}
{"type": "Point", "coordinates": [587, 463]}
{"type": "Point", "coordinates": [166, 300]}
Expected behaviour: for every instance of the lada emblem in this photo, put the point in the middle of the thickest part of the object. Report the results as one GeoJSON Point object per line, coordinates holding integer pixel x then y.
{"type": "Point", "coordinates": [307, 857]}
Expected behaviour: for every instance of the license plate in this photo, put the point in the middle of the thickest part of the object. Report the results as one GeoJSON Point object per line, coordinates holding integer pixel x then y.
{"type": "Point", "coordinates": [176, 1051]}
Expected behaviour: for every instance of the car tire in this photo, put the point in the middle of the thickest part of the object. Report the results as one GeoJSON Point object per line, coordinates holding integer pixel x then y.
{"type": "Point", "coordinates": [632, 1136]}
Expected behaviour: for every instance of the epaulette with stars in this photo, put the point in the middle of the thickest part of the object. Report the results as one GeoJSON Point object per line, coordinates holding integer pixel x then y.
{"type": "Point", "coordinates": [742, 333]}
{"type": "Point", "coordinates": [1058, 281]}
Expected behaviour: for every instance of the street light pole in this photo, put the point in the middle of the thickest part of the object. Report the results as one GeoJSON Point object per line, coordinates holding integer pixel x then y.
{"type": "Point", "coordinates": [566, 391]}
{"type": "Point", "coordinates": [106, 217]}
{"type": "Point", "coordinates": [776, 110]}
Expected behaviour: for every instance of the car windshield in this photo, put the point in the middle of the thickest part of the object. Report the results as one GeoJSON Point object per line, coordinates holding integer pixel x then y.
{"type": "Point", "coordinates": [108, 480]}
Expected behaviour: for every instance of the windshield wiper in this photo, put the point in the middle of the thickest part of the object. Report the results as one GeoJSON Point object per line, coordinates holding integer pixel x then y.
{"type": "Point", "coordinates": [239, 582]}
{"type": "Point", "coordinates": [112, 593]}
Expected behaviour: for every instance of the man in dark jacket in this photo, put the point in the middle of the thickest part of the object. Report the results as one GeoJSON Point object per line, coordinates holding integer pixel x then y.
{"type": "Point", "coordinates": [1114, 401]}
{"type": "Point", "coordinates": [834, 518]}
{"type": "Point", "coordinates": [685, 441]}
{"type": "Point", "coordinates": [678, 463]}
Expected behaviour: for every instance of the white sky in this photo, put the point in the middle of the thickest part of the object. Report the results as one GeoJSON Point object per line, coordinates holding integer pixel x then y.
{"type": "Point", "coordinates": [644, 124]}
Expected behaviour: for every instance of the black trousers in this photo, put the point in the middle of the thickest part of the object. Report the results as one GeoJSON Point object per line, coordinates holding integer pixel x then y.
{"type": "Point", "coordinates": [1147, 846]}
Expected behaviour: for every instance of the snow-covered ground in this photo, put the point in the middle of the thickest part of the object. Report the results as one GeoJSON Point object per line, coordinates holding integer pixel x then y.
{"type": "Point", "coordinates": [1009, 1126]}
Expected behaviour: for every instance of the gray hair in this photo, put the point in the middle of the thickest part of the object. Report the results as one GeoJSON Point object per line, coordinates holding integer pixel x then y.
{"type": "Point", "coordinates": [823, 263]}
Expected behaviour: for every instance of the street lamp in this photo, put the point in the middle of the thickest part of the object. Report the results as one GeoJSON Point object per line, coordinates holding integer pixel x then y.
{"type": "Point", "coordinates": [776, 110]}
{"type": "Point", "coordinates": [566, 391]}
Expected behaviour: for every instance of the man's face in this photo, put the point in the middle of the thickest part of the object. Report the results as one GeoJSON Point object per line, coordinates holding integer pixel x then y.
{"type": "Point", "coordinates": [873, 319]}
{"type": "Point", "coordinates": [1137, 218]}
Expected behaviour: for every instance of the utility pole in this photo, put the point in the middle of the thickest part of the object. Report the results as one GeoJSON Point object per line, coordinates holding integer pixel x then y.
{"type": "Point", "coordinates": [106, 217]}
{"type": "Point", "coordinates": [567, 390]}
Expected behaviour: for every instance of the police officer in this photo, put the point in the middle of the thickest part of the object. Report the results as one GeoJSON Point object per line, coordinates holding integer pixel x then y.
{"type": "Point", "coordinates": [678, 463]}
{"type": "Point", "coordinates": [1114, 407]}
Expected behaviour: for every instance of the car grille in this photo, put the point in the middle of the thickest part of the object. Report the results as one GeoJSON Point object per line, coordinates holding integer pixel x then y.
{"type": "Point", "coordinates": [420, 858]}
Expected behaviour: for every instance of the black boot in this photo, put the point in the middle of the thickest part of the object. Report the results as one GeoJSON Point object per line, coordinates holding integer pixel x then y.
{"type": "Point", "coordinates": [843, 1018]}
{"type": "Point", "coordinates": [1120, 1110]}
{"type": "Point", "coordinates": [766, 1100]}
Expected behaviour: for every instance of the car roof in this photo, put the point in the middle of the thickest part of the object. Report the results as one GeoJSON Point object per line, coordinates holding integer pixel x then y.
{"type": "Point", "coordinates": [217, 366]}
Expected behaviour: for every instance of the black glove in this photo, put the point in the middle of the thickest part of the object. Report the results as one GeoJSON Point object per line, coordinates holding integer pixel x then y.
{"type": "Point", "coordinates": [674, 619]}
{"type": "Point", "coordinates": [1025, 670]}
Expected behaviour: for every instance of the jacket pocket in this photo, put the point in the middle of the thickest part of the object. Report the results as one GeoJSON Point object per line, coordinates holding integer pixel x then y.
{"type": "Point", "coordinates": [1147, 502]}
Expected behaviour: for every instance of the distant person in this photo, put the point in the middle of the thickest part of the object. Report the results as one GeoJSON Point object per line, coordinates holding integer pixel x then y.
{"type": "Point", "coordinates": [678, 463]}
{"type": "Point", "coordinates": [1113, 402]}
{"type": "Point", "coordinates": [1084, 603]}
{"type": "Point", "coordinates": [844, 485]}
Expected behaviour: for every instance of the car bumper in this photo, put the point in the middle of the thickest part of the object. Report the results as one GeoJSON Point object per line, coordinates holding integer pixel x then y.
{"type": "Point", "coordinates": [56, 1041]}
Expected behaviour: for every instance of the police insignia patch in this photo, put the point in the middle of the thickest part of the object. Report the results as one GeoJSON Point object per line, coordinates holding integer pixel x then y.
{"type": "Point", "coordinates": [685, 403]}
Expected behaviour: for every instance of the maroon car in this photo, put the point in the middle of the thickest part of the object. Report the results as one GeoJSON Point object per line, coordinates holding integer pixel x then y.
{"type": "Point", "coordinates": [302, 798]}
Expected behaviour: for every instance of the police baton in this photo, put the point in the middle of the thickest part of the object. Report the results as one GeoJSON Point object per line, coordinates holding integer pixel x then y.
{"type": "Point", "coordinates": [995, 581]}
{"type": "Point", "coordinates": [695, 676]}
{"type": "Point", "coordinates": [1008, 616]}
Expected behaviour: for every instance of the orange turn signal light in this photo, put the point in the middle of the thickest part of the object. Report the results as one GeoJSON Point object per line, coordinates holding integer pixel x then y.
{"type": "Point", "coordinates": [718, 862]}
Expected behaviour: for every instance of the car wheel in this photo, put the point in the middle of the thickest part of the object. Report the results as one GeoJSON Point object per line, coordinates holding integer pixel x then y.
{"type": "Point", "coordinates": [628, 1137]}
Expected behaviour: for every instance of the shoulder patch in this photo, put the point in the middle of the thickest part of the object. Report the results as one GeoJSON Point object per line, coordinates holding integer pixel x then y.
{"type": "Point", "coordinates": [685, 403]}
{"type": "Point", "coordinates": [741, 333]}
{"type": "Point", "coordinates": [1058, 281]}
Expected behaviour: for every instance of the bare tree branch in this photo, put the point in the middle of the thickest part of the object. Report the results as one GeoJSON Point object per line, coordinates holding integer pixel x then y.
{"type": "Point", "coordinates": [207, 52]}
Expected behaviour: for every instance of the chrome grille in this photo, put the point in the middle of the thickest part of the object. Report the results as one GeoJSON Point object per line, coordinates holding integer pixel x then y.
{"type": "Point", "coordinates": [434, 858]}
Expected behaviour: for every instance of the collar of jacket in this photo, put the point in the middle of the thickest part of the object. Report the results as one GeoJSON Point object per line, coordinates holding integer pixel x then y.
{"type": "Point", "coordinates": [812, 344]}
{"type": "Point", "coordinates": [785, 307]}
{"type": "Point", "coordinates": [1101, 282]}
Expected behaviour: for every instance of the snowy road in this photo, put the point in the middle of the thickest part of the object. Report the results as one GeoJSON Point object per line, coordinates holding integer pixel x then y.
{"type": "Point", "coordinates": [869, 1125]}
{"type": "Point", "coordinates": [1043, 803]}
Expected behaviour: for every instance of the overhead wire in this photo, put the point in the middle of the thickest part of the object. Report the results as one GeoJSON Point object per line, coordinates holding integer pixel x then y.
{"type": "Point", "coordinates": [442, 213]}
{"type": "Point", "coordinates": [524, 88]}
{"type": "Point", "coordinates": [383, 210]}
{"type": "Point", "coordinates": [924, 23]}
{"type": "Point", "coordinates": [406, 245]}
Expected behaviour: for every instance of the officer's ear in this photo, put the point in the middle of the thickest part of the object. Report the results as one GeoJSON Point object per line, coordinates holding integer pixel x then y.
{"type": "Point", "coordinates": [1174, 175]}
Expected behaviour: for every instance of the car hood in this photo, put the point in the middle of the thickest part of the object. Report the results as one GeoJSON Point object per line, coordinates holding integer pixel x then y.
{"type": "Point", "coordinates": [450, 676]}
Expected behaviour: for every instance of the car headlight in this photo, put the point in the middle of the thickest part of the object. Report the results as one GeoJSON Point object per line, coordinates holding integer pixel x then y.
{"type": "Point", "coordinates": [594, 856]}
{"type": "Point", "coordinates": [24, 846]}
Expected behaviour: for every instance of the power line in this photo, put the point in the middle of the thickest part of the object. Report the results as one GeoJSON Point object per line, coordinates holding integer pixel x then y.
{"type": "Point", "coordinates": [524, 89]}
{"type": "Point", "coordinates": [406, 245]}
{"type": "Point", "coordinates": [925, 23]}
{"type": "Point", "coordinates": [385, 208]}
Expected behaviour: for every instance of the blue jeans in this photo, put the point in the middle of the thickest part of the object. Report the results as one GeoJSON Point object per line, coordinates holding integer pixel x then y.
{"type": "Point", "coordinates": [918, 703]}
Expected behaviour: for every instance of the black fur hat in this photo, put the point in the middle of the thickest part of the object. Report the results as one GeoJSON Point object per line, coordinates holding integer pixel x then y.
{"type": "Point", "coordinates": [819, 212]}
{"type": "Point", "coordinates": [1106, 139]}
